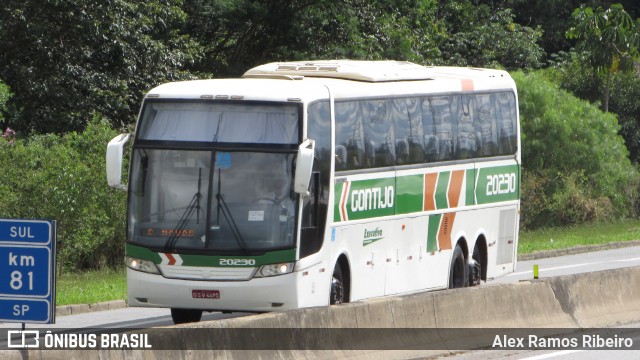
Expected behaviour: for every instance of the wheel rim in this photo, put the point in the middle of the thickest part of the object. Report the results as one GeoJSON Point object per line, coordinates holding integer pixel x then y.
{"type": "Point", "coordinates": [337, 291]}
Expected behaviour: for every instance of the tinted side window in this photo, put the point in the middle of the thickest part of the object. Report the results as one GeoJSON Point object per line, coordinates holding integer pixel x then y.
{"type": "Point", "coordinates": [506, 123]}
{"type": "Point", "coordinates": [380, 150]}
{"type": "Point", "coordinates": [350, 147]}
{"type": "Point", "coordinates": [413, 130]}
{"type": "Point", "coordinates": [485, 118]}
{"type": "Point", "coordinates": [407, 119]}
{"type": "Point", "coordinates": [466, 136]}
{"type": "Point", "coordinates": [439, 124]}
{"type": "Point", "coordinates": [319, 129]}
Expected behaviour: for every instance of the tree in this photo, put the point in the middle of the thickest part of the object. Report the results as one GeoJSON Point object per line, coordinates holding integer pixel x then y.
{"type": "Point", "coordinates": [576, 167]}
{"type": "Point", "coordinates": [66, 59]}
{"type": "Point", "coordinates": [485, 35]}
{"type": "Point", "coordinates": [5, 94]}
{"type": "Point", "coordinates": [237, 35]}
{"type": "Point", "coordinates": [611, 39]}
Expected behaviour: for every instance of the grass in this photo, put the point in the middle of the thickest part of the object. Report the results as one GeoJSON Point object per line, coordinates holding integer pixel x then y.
{"type": "Point", "coordinates": [91, 287]}
{"type": "Point", "coordinates": [589, 234]}
{"type": "Point", "coordinates": [104, 285]}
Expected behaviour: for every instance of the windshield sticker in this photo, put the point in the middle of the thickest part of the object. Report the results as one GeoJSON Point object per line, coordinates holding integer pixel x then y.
{"type": "Point", "coordinates": [223, 160]}
{"type": "Point", "coordinates": [256, 215]}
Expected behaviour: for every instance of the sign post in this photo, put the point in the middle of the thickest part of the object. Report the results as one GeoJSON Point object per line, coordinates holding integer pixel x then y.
{"type": "Point", "coordinates": [27, 271]}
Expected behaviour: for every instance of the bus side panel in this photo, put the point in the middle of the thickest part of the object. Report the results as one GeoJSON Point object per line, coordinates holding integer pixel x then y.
{"type": "Point", "coordinates": [367, 258]}
{"type": "Point", "coordinates": [498, 189]}
{"type": "Point", "coordinates": [411, 267]}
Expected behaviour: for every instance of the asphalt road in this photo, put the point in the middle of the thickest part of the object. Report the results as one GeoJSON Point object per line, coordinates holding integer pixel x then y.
{"type": "Point", "coordinates": [553, 266]}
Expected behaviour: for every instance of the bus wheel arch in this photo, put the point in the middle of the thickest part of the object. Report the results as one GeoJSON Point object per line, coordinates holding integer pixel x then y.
{"type": "Point", "coordinates": [458, 270]}
{"type": "Point", "coordinates": [340, 282]}
{"type": "Point", "coordinates": [184, 316]}
{"type": "Point", "coordinates": [480, 255]}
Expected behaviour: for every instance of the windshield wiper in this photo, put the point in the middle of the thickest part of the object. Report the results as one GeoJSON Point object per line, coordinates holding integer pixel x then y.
{"type": "Point", "coordinates": [194, 204]}
{"type": "Point", "coordinates": [222, 205]}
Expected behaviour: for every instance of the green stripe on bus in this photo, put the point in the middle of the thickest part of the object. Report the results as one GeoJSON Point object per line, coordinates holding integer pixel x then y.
{"type": "Point", "coordinates": [371, 198]}
{"type": "Point", "coordinates": [441, 190]}
{"type": "Point", "coordinates": [432, 234]}
{"type": "Point", "coordinates": [271, 257]}
{"type": "Point", "coordinates": [142, 253]}
{"type": "Point", "coordinates": [470, 198]}
{"type": "Point", "coordinates": [498, 184]}
{"type": "Point", "coordinates": [409, 194]}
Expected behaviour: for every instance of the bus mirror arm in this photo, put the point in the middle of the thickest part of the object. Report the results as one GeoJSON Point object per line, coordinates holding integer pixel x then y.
{"type": "Point", "coordinates": [115, 150]}
{"type": "Point", "coordinates": [304, 167]}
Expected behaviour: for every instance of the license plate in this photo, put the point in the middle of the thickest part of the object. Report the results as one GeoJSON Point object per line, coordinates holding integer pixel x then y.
{"type": "Point", "coordinates": [205, 294]}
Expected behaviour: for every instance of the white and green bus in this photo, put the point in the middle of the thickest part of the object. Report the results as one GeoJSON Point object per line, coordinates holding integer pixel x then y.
{"type": "Point", "coordinates": [314, 183]}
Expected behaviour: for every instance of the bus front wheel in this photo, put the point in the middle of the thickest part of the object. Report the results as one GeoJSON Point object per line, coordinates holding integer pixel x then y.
{"type": "Point", "coordinates": [337, 295]}
{"type": "Point", "coordinates": [183, 316]}
{"type": "Point", "coordinates": [458, 273]}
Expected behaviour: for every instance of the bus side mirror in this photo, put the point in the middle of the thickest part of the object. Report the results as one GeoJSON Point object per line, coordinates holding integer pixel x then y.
{"type": "Point", "coordinates": [114, 161]}
{"type": "Point", "coordinates": [304, 166]}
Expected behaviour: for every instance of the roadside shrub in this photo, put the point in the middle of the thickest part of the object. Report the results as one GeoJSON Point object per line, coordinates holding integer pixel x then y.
{"type": "Point", "coordinates": [63, 178]}
{"type": "Point", "coordinates": [576, 167]}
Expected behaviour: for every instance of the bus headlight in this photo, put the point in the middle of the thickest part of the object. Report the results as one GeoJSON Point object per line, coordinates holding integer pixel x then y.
{"type": "Point", "coordinates": [274, 269]}
{"type": "Point", "coordinates": [141, 265]}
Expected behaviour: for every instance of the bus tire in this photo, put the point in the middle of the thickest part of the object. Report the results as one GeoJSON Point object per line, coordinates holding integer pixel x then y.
{"type": "Point", "coordinates": [458, 272]}
{"type": "Point", "coordinates": [337, 292]}
{"type": "Point", "coordinates": [183, 316]}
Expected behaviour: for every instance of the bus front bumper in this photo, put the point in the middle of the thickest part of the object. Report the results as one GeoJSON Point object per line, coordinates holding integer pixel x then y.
{"type": "Point", "coordinates": [277, 293]}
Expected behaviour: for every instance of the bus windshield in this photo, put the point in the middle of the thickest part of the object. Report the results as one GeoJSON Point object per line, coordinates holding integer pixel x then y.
{"type": "Point", "coordinates": [243, 203]}
{"type": "Point", "coordinates": [219, 122]}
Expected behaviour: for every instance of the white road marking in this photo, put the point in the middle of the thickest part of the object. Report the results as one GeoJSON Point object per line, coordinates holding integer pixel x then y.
{"type": "Point", "coordinates": [553, 354]}
{"type": "Point", "coordinates": [573, 266]}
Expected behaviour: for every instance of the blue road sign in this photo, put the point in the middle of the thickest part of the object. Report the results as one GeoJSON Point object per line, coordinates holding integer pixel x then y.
{"type": "Point", "coordinates": [27, 271]}
{"type": "Point", "coordinates": [21, 310]}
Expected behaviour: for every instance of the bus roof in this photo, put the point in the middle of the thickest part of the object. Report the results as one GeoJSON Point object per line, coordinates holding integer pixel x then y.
{"type": "Point", "coordinates": [309, 80]}
{"type": "Point", "coordinates": [369, 71]}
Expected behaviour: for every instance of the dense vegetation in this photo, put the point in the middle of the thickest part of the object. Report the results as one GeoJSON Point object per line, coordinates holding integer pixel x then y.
{"type": "Point", "coordinates": [72, 73]}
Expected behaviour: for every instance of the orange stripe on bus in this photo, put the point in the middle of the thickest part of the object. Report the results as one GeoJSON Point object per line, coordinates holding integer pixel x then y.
{"type": "Point", "coordinates": [345, 195]}
{"type": "Point", "coordinates": [467, 84]}
{"type": "Point", "coordinates": [444, 234]}
{"type": "Point", "coordinates": [430, 181]}
{"type": "Point", "coordinates": [455, 187]}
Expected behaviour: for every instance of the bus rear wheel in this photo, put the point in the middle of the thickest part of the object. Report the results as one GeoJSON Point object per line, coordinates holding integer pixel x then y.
{"type": "Point", "coordinates": [458, 273]}
{"type": "Point", "coordinates": [183, 316]}
{"type": "Point", "coordinates": [337, 295]}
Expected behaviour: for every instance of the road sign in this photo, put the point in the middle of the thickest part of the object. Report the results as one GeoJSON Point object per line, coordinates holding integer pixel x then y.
{"type": "Point", "coordinates": [27, 271]}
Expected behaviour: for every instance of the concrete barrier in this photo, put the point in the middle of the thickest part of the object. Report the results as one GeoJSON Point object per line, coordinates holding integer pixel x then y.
{"type": "Point", "coordinates": [596, 299]}
{"type": "Point", "coordinates": [600, 298]}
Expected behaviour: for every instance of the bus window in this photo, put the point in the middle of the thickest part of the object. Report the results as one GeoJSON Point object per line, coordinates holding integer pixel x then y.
{"type": "Point", "coordinates": [350, 133]}
{"type": "Point", "coordinates": [485, 116]}
{"type": "Point", "coordinates": [407, 120]}
{"type": "Point", "coordinates": [467, 144]}
{"type": "Point", "coordinates": [506, 111]}
{"type": "Point", "coordinates": [319, 129]}
{"type": "Point", "coordinates": [442, 129]}
{"type": "Point", "coordinates": [378, 133]}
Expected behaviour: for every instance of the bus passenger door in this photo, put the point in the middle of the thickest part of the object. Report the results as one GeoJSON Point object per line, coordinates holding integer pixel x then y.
{"type": "Point", "coordinates": [310, 241]}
